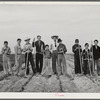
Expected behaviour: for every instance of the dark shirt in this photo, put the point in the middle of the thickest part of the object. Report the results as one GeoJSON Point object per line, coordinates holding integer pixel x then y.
{"type": "Point", "coordinates": [96, 52]}
{"type": "Point", "coordinates": [76, 51]}
{"type": "Point", "coordinates": [60, 48]}
{"type": "Point", "coordinates": [86, 54]}
{"type": "Point", "coordinates": [38, 45]}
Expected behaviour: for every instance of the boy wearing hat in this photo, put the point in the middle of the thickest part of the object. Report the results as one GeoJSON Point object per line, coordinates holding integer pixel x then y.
{"type": "Point", "coordinates": [6, 51]}
{"type": "Point", "coordinates": [18, 57]}
{"type": "Point", "coordinates": [28, 56]}
{"type": "Point", "coordinates": [61, 49]}
{"type": "Point", "coordinates": [77, 51]}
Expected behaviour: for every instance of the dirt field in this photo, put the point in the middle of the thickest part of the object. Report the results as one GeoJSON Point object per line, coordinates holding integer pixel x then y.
{"type": "Point", "coordinates": [53, 84]}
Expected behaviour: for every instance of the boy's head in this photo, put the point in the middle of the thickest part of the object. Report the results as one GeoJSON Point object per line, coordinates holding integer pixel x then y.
{"type": "Point", "coordinates": [5, 43]}
{"type": "Point", "coordinates": [18, 40]}
{"type": "Point", "coordinates": [86, 45]}
{"type": "Point", "coordinates": [27, 40]}
{"type": "Point", "coordinates": [46, 47]}
{"type": "Point", "coordinates": [38, 37]}
{"type": "Point", "coordinates": [59, 40]}
{"type": "Point", "coordinates": [96, 42]}
{"type": "Point", "coordinates": [77, 41]}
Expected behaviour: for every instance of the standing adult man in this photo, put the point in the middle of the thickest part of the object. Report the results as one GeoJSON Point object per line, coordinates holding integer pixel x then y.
{"type": "Point", "coordinates": [18, 57]}
{"type": "Point", "coordinates": [96, 56]}
{"type": "Point", "coordinates": [77, 57]}
{"type": "Point", "coordinates": [28, 57]}
{"type": "Point", "coordinates": [40, 46]}
{"type": "Point", "coordinates": [54, 54]}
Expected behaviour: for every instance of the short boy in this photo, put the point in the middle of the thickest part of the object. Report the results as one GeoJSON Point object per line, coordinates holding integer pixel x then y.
{"type": "Point", "coordinates": [6, 51]}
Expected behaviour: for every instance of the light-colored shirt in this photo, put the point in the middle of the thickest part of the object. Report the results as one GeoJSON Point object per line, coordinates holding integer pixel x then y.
{"type": "Point", "coordinates": [27, 48]}
{"type": "Point", "coordinates": [6, 51]}
{"type": "Point", "coordinates": [18, 49]}
{"type": "Point", "coordinates": [47, 54]}
{"type": "Point", "coordinates": [53, 47]}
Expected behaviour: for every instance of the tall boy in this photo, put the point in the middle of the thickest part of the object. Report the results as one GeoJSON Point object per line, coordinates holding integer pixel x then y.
{"type": "Point", "coordinates": [96, 56]}
{"type": "Point", "coordinates": [18, 57]}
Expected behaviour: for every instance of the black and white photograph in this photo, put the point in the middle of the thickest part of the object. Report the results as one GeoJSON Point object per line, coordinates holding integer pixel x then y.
{"type": "Point", "coordinates": [49, 47]}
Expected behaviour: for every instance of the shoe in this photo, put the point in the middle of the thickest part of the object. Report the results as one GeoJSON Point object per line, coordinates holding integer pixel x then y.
{"type": "Point", "coordinates": [49, 76]}
{"type": "Point", "coordinates": [25, 76]}
{"type": "Point", "coordinates": [72, 78]}
{"type": "Point", "coordinates": [18, 75]}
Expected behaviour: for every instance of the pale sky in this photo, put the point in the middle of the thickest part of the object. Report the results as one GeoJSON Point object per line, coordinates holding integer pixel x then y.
{"type": "Point", "coordinates": [67, 21]}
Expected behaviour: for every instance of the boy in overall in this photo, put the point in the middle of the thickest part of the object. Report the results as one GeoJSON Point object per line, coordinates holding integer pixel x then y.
{"type": "Point", "coordinates": [47, 69]}
{"type": "Point", "coordinates": [6, 51]}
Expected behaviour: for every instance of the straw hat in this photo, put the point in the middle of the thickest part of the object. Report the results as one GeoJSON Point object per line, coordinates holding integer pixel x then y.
{"type": "Point", "coordinates": [54, 36]}
{"type": "Point", "coordinates": [27, 38]}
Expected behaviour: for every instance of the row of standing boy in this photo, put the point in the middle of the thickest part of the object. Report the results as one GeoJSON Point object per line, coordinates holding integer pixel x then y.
{"type": "Point", "coordinates": [87, 61]}
{"type": "Point", "coordinates": [43, 56]}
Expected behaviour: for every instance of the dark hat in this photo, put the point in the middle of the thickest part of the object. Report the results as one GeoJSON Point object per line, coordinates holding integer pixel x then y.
{"type": "Point", "coordinates": [18, 39]}
{"type": "Point", "coordinates": [59, 40]}
{"type": "Point", "coordinates": [95, 40]}
{"type": "Point", "coordinates": [86, 44]}
{"type": "Point", "coordinates": [76, 40]}
{"type": "Point", "coordinates": [27, 38]}
{"type": "Point", "coordinates": [5, 42]}
{"type": "Point", "coordinates": [38, 36]}
{"type": "Point", "coordinates": [46, 45]}
{"type": "Point", "coordinates": [55, 36]}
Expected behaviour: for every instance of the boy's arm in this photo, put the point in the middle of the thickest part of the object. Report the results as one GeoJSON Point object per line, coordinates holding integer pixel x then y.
{"type": "Point", "coordinates": [16, 50]}
{"type": "Point", "coordinates": [43, 46]}
{"type": "Point", "coordinates": [8, 51]}
{"type": "Point", "coordinates": [33, 43]}
{"type": "Point", "coordinates": [80, 49]}
{"type": "Point", "coordinates": [2, 51]}
{"type": "Point", "coordinates": [24, 49]}
{"type": "Point", "coordinates": [65, 49]}
{"type": "Point", "coordinates": [74, 49]}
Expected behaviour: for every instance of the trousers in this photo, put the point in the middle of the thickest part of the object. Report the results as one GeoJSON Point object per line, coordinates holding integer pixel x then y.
{"type": "Point", "coordinates": [86, 67]}
{"type": "Point", "coordinates": [77, 64]}
{"type": "Point", "coordinates": [18, 63]}
{"type": "Point", "coordinates": [29, 58]}
{"type": "Point", "coordinates": [39, 62]}
{"type": "Point", "coordinates": [7, 65]}
{"type": "Point", "coordinates": [61, 64]}
{"type": "Point", "coordinates": [97, 64]}
{"type": "Point", "coordinates": [47, 69]}
{"type": "Point", "coordinates": [54, 62]}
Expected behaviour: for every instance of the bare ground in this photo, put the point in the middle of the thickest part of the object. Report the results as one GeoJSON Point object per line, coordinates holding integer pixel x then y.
{"type": "Point", "coordinates": [56, 84]}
